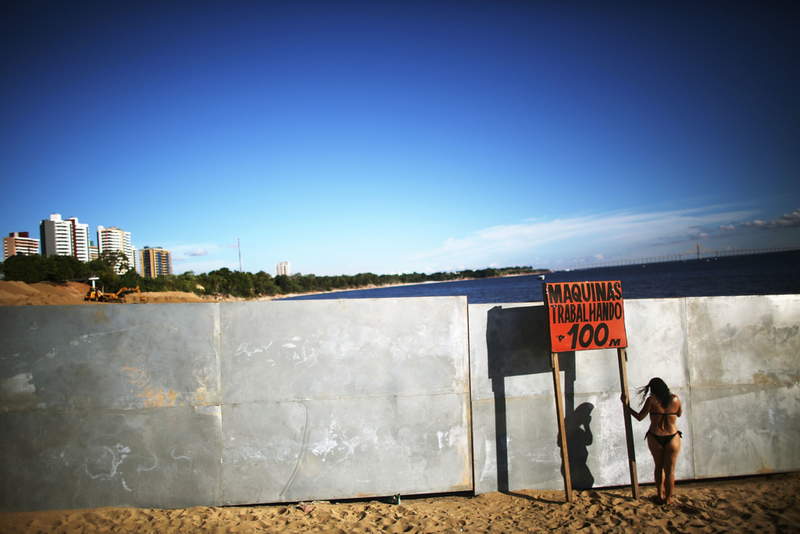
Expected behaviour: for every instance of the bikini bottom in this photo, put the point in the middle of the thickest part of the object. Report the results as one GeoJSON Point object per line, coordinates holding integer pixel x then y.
{"type": "Point", "coordinates": [663, 440]}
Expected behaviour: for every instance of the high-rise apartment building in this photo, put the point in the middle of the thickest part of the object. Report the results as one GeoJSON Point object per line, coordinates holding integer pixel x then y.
{"type": "Point", "coordinates": [155, 262]}
{"type": "Point", "coordinates": [19, 243]}
{"type": "Point", "coordinates": [64, 238]}
{"type": "Point", "coordinates": [115, 240]}
{"type": "Point", "coordinates": [283, 268]}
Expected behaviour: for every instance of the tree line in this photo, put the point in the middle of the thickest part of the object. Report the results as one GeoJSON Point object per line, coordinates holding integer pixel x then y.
{"type": "Point", "coordinates": [220, 283]}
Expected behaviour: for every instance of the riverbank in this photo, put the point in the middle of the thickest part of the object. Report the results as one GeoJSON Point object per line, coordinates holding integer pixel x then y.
{"type": "Point", "coordinates": [754, 504]}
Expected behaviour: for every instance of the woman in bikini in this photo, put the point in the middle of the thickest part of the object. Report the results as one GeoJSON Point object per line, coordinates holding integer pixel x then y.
{"type": "Point", "coordinates": [663, 437]}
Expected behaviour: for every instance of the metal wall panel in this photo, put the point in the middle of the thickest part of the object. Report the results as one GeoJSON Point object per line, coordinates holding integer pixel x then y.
{"type": "Point", "coordinates": [359, 398]}
{"type": "Point", "coordinates": [745, 367]}
{"type": "Point", "coordinates": [101, 356]}
{"type": "Point", "coordinates": [109, 405]}
{"type": "Point", "coordinates": [147, 458]}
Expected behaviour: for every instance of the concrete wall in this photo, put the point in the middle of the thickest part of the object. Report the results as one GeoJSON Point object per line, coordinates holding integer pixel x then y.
{"type": "Point", "coordinates": [109, 405]}
{"type": "Point", "coordinates": [174, 405]}
{"type": "Point", "coordinates": [733, 361]}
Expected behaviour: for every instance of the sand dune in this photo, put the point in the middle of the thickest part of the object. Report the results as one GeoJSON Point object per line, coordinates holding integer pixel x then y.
{"type": "Point", "coordinates": [47, 294]}
{"type": "Point", "coordinates": [754, 504]}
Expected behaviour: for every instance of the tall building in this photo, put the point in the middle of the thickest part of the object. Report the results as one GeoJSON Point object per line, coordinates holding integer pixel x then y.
{"type": "Point", "coordinates": [155, 262]}
{"type": "Point", "coordinates": [283, 268]}
{"type": "Point", "coordinates": [64, 238]}
{"type": "Point", "coordinates": [115, 240]}
{"type": "Point", "coordinates": [18, 243]}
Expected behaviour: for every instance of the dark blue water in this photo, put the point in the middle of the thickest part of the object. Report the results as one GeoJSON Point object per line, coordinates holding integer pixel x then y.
{"type": "Point", "coordinates": [758, 274]}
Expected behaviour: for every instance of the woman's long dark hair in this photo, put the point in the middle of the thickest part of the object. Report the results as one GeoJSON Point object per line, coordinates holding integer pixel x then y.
{"type": "Point", "coordinates": [659, 389]}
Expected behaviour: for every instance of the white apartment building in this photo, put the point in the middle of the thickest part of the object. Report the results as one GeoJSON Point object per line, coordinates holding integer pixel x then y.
{"type": "Point", "coordinates": [115, 240]}
{"type": "Point", "coordinates": [19, 243]}
{"type": "Point", "coordinates": [64, 238]}
{"type": "Point", "coordinates": [283, 268]}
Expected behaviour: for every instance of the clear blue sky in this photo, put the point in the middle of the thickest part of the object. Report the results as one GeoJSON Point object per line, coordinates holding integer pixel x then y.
{"type": "Point", "coordinates": [386, 137]}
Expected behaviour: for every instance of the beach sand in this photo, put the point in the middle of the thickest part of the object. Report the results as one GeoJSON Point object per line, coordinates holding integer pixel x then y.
{"type": "Point", "coordinates": [71, 293]}
{"type": "Point", "coordinates": [767, 503]}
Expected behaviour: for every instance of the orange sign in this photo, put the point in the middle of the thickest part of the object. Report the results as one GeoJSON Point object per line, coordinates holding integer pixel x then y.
{"type": "Point", "coordinates": [585, 315]}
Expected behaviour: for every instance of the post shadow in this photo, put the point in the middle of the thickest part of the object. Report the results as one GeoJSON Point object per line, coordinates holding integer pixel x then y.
{"type": "Point", "coordinates": [518, 343]}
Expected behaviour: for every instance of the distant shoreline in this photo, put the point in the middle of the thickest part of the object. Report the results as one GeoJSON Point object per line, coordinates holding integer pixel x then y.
{"type": "Point", "coordinates": [372, 286]}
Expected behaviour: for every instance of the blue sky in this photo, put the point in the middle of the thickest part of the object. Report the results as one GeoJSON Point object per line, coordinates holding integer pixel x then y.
{"type": "Point", "coordinates": [350, 137]}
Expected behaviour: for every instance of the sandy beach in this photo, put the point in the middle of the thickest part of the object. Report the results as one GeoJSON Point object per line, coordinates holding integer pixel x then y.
{"type": "Point", "coordinates": [767, 503]}
{"type": "Point", "coordinates": [71, 293]}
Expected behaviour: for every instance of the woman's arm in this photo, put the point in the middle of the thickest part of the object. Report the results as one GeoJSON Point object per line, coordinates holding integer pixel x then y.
{"type": "Point", "coordinates": [638, 415]}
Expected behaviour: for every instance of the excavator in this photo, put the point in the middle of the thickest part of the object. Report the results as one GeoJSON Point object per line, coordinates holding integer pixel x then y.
{"type": "Point", "coordinates": [96, 294]}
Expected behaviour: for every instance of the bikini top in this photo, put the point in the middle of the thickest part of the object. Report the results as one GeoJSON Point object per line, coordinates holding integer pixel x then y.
{"type": "Point", "coordinates": [664, 419]}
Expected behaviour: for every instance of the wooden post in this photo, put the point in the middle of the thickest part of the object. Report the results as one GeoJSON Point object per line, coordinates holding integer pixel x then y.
{"type": "Point", "coordinates": [622, 356]}
{"type": "Point", "coordinates": [562, 430]}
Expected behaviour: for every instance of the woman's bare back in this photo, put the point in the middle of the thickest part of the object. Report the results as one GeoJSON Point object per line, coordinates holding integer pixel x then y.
{"type": "Point", "coordinates": [663, 420]}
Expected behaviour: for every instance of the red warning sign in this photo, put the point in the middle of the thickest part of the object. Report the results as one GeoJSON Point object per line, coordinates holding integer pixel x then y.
{"type": "Point", "coordinates": [585, 315]}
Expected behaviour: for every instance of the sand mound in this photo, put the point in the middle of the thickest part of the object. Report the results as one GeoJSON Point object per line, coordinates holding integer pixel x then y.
{"type": "Point", "coordinates": [757, 504]}
{"type": "Point", "coordinates": [43, 293]}
{"type": "Point", "coordinates": [47, 294]}
{"type": "Point", "coordinates": [167, 296]}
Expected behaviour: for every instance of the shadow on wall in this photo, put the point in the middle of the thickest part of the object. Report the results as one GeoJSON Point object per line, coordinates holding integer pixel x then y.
{"type": "Point", "coordinates": [518, 344]}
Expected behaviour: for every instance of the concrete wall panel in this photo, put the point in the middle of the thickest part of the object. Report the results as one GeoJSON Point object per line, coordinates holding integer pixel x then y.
{"type": "Point", "coordinates": [745, 365]}
{"type": "Point", "coordinates": [108, 357]}
{"type": "Point", "coordinates": [326, 349]}
{"type": "Point", "coordinates": [657, 342]}
{"type": "Point", "coordinates": [360, 397]}
{"type": "Point", "coordinates": [159, 457]}
{"type": "Point", "coordinates": [305, 450]}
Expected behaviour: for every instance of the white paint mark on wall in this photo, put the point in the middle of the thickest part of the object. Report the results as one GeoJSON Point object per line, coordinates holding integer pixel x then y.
{"type": "Point", "coordinates": [18, 385]}
{"type": "Point", "coordinates": [155, 459]}
{"type": "Point", "coordinates": [243, 348]}
{"type": "Point", "coordinates": [118, 454]}
{"type": "Point", "coordinates": [208, 410]}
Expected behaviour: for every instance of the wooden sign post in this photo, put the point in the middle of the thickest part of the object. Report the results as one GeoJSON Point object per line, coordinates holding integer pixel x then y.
{"type": "Point", "coordinates": [587, 316]}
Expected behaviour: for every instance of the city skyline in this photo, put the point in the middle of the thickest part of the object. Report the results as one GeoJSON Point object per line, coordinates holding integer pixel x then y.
{"type": "Point", "coordinates": [394, 137]}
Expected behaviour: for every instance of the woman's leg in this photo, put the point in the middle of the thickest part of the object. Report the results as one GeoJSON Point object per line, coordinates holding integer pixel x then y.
{"type": "Point", "coordinates": [658, 457]}
{"type": "Point", "coordinates": [670, 459]}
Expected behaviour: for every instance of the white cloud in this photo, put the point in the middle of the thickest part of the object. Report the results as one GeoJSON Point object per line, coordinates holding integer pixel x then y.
{"type": "Point", "coordinates": [570, 237]}
{"type": "Point", "coordinates": [787, 220]}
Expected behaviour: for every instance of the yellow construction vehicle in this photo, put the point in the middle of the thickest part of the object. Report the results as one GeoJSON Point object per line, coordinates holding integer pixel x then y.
{"type": "Point", "coordinates": [97, 295]}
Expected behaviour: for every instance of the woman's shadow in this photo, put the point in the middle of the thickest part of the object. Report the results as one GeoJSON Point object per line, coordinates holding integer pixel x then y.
{"type": "Point", "coordinates": [518, 344]}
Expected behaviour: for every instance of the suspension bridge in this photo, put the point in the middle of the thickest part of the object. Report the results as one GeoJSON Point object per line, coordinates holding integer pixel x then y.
{"type": "Point", "coordinates": [697, 252]}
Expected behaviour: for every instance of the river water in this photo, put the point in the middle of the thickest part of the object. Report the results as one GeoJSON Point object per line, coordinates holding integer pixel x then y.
{"type": "Point", "coordinates": [776, 273]}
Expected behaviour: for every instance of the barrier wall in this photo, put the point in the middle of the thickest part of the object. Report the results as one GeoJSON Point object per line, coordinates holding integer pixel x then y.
{"type": "Point", "coordinates": [733, 361]}
{"type": "Point", "coordinates": [176, 405]}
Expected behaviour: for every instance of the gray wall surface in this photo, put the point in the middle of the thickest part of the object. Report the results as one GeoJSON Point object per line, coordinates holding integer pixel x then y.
{"type": "Point", "coordinates": [733, 361]}
{"type": "Point", "coordinates": [176, 405]}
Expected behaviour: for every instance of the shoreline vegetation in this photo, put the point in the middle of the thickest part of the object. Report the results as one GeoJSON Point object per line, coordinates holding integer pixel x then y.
{"type": "Point", "coordinates": [222, 284]}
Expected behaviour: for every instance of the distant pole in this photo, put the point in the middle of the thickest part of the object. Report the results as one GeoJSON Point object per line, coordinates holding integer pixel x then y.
{"type": "Point", "coordinates": [239, 244]}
